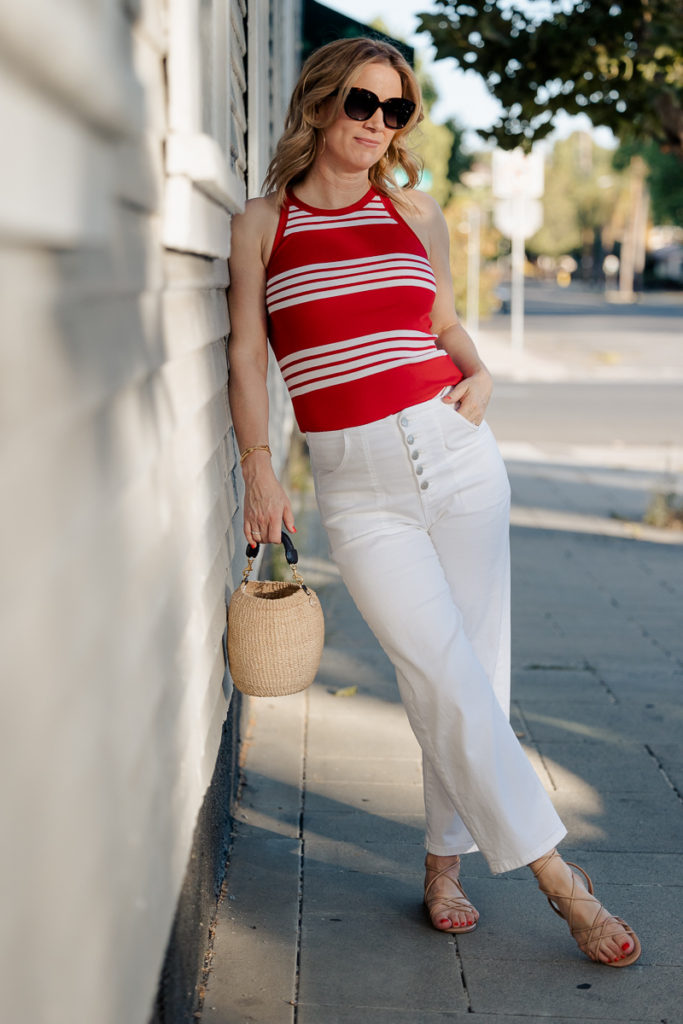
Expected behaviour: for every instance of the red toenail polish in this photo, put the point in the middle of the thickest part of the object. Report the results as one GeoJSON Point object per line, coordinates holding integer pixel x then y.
{"type": "Point", "coordinates": [625, 946]}
{"type": "Point", "coordinates": [444, 920]}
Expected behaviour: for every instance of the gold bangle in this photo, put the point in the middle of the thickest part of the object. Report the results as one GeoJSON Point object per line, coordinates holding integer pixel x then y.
{"type": "Point", "coordinates": [254, 448]}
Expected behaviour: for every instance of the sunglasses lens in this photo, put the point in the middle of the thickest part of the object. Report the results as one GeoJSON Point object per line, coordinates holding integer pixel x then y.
{"type": "Point", "coordinates": [397, 113]}
{"type": "Point", "coordinates": [360, 104]}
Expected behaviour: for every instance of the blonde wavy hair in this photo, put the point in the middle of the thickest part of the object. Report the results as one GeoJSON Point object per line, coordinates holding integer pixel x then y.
{"type": "Point", "coordinates": [332, 69]}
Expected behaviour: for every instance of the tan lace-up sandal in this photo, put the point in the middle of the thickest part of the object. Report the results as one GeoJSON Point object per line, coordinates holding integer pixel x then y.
{"type": "Point", "coordinates": [589, 937]}
{"type": "Point", "coordinates": [449, 904]}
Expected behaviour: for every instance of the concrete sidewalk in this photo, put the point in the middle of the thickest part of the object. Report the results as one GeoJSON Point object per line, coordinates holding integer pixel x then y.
{"type": "Point", "coordinates": [321, 920]}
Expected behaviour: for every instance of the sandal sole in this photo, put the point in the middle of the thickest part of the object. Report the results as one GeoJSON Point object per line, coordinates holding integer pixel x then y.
{"type": "Point", "coordinates": [457, 931]}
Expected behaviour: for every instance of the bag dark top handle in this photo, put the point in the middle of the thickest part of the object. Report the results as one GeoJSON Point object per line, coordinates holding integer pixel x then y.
{"type": "Point", "coordinates": [291, 553]}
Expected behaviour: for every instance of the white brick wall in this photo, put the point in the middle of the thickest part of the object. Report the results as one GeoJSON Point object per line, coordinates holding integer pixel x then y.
{"type": "Point", "coordinates": [123, 158]}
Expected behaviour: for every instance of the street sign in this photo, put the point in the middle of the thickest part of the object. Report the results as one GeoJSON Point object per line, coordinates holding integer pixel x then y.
{"type": "Point", "coordinates": [517, 184]}
{"type": "Point", "coordinates": [515, 173]}
{"type": "Point", "coordinates": [518, 216]}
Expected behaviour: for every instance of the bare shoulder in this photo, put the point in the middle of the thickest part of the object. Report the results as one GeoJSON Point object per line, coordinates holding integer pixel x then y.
{"type": "Point", "coordinates": [256, 226]}
{"type": "Point", "coordinates": [257, 211]}
{"type": "Point", "coordinates": [423, 214]}
{"type": "Point", "coordinates": [427, 209]}
{"type": "Point", "coordinates": [424, 204]}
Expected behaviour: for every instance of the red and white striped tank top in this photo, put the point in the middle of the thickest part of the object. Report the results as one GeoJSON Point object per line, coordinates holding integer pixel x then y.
{"type": "Point", "coordinates": [349, 294]}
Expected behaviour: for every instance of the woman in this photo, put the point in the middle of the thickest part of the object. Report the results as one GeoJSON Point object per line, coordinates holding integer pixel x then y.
{"type": "Point", "coordinates": [348, 276]}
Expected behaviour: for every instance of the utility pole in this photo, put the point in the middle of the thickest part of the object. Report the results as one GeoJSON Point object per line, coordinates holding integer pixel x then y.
{"type": "Point", "coordinates": [473, 263]}
{"type": "Point", "coordinates": [633, 244]}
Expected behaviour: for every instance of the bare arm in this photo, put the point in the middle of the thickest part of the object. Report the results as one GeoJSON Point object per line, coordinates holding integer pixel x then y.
{"type": "Point", "coordinates": [266, 506]}
{"type": "Point", "coordinates": [474, 391]}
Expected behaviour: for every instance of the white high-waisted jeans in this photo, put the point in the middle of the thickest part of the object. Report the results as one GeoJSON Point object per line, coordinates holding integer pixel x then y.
{"type": "Point", "coordinates": [416, 509]}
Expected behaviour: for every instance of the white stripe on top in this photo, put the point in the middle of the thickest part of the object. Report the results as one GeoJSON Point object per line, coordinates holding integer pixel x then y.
{"type": "Point", "coordinates": [346, 265]}
{"type": "Point", "coordinates": [348, 277]}
{"type": "Point", "coordinates": [341, 362]}
{"type": "Point", "coordinates": [374, 212]}
{"type": "Point", "coordinates": [350, 346]}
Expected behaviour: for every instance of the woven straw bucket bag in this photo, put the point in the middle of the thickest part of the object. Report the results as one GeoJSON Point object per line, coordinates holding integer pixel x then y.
{"type": "Point", "coordinates": [276, 632]}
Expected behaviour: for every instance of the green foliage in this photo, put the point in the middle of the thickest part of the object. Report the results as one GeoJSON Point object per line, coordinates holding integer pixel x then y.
{"type": "Point", "coordinates": [618, 62]}
{"type": "Point", "coordinates": [581, 192]}
{"type": "Point", "coordinates": [459, 161]}
{"type": "Point", "coordinates": [665, 511]}
{"type": "Point", "coordinates": [439, 146]}
{"type": "Point", "coordinates": [490, 244]}
{"type": "Point", "coordinates": [666, 187]}
{"type": "Point", "coordinates": [427, 87]}
{"type": "Point", "coordinates": [433, 143]}
{"type": "Point", "coordinates": [665, 181]}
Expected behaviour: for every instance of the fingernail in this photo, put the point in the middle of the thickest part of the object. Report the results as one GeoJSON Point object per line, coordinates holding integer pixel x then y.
{"type": "Point", "coordinates": [294, 529]}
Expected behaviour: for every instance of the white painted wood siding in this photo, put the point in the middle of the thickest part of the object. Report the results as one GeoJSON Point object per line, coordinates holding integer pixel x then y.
{"type": "Point", "coordinates": [124, 157]}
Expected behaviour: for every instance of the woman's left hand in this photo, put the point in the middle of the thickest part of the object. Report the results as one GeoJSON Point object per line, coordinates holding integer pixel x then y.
{"type": "Point", "coordinates": [471, 396]}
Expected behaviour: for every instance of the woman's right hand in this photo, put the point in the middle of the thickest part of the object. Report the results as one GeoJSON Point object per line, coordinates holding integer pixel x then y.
{"type": "Point", "coordinates": [266, 506]}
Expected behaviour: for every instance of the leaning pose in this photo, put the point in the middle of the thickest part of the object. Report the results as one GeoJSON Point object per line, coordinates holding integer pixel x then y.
{"type": "Point", "coordinates": [348, 277]}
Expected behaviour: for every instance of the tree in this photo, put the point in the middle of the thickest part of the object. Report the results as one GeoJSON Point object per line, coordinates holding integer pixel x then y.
{"type": "Point", "coordinates": [439, 146]}
{"type": "Point", "coordinates": [456, 214]}
{"type": "Point", "coordinates": [665, 181]}
{"type": "Point", "coordinates": [581, 194]}
{"type": "Point", "coordinates": [459, 161]}
{"type": "Point", "coordinates": [433, 144]}
{"type": "Point", "coordinates": [618, 62]}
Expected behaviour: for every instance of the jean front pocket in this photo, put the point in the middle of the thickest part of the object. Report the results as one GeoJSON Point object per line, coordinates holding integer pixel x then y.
{"type": "Point", "coordinates": [457, 430]}
{"type": "Point", "coordinates": [463, 419]}
{"type": "Point", "coordinates": [328, 450]}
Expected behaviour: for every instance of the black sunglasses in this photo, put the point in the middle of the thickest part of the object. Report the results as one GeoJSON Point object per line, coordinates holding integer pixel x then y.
{"type": "Point", "coordinates": [361, 104]}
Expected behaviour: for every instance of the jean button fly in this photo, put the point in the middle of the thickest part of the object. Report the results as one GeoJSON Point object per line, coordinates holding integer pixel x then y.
{"type": "Point", "coordinates": [424, 485]}
{"type": "Point", "coordinates": [404, 421]}
{"type": "Point", "coordinates": [410, 439]}
{"type": "Point", "coordinates": [415, 455]}
{"type": "Point", "coordinates": [419, 470]}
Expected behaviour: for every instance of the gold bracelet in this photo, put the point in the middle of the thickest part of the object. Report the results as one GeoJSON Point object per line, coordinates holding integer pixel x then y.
{"type": "Point", "coordinates": [254, 448]}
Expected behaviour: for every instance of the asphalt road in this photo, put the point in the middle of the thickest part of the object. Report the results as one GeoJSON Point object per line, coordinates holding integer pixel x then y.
{"type": "Point", "coordinates": [574, 412]}
{"type": "Point", "coordinates": [580, 327]}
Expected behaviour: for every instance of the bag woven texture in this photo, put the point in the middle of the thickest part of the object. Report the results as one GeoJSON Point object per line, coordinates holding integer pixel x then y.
{"type": "Point", "coordinates": [276, 633]}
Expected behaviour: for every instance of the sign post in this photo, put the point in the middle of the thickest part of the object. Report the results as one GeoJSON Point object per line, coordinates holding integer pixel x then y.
{"type": "Point", "coordinates": [517, 184]}
{"type": "Point", "coordinates": [473, 260]}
